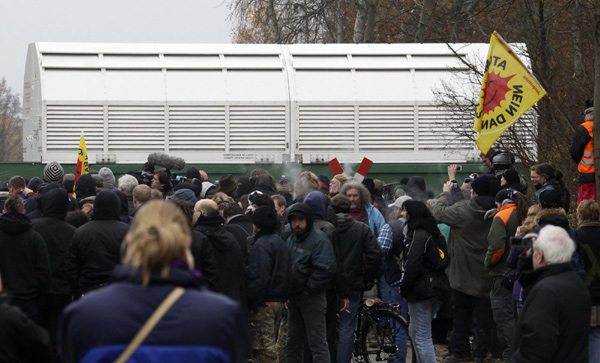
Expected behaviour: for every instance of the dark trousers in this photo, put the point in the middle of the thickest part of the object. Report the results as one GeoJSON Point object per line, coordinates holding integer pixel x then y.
{"type": "Point", "coordinates": [466, 309]}
{"type": "Point", "coordinates": [331, 323]}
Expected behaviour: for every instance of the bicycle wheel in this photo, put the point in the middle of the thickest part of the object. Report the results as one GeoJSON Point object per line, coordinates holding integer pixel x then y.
{"type": "Point", "coordinates": [382, 334]}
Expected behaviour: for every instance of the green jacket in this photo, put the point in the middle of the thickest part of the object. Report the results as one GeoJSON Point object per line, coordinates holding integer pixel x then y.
{"type": "Point", "coordinates": [467, 244]}
{"type": "Point", "coordinates": [504, 226]}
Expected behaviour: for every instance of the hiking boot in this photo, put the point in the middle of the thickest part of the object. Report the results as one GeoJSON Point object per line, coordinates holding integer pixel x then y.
{"type": "Point", "coordinates": [454, 359]}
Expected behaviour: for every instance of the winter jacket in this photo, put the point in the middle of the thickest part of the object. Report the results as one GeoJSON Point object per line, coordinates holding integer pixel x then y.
{"type": "Point", "coordinates": [24, 265]}
{"type": "Point", "coordinates": [204, 260]}
{"type": "Point", "coordinates": [22, 339]}
{"type": "Point", "coordinates": [241, 228]}
{"type": "Point", "coordinates": [269, 271]}
{"type": "Point", "coordinates": [313, 258]}
{"type": "Point", "coordinates": [57, 235]}
{"type": "Point", "coordinates": [200, 327]}
{"type": "Point", "coordinates": [553, 325]}
{"type": "Point", "coordinates": [554, 217]}
{"type": "Point", "coordinates": [360, 252]}
{"type": "Point", "coordinates": [587, 237]}
{"type": "Point", "coordinates": [504, 226]}
{"type": "Point", "coordinates": [96, 246]}
{"type": "Point", "coordinates": [230, 263]}
{"type": "Point", "coordinates": [467, 244]}
{"type": "Point", "coordinates": [425, 260]}
{"type": "Point", "coordinates": [376, 220]}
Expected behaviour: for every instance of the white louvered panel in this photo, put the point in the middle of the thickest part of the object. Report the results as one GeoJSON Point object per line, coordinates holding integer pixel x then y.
{"type": "Point", "coordinates": [439, 129]}
{"type": "Point", "coordinates": [197, 127]}
{"type": "Point", "coordinates": [257, 128]}
{"type": "Point", "coordinates": [136, 127]}
{"type": "Point", "coordinates": [65, 123]}
{"type": "Point", "coordinates": [326, 127]}
{"type": "Point", "coordinates": [386, 127]}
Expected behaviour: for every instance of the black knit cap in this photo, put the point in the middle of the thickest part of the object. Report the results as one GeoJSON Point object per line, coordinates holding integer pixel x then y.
{"type": "Point", "coordinates": [265, 218]}
{"type": "Point", "coordinates": [511, 176]}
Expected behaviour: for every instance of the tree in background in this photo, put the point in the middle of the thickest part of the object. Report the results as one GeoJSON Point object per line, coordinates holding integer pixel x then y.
{"type": "Point", "coordinates": [11, 127]}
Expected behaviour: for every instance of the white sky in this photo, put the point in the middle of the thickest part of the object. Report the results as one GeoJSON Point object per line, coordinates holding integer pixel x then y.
{"type": "Point", "coordinates": [104, 21]}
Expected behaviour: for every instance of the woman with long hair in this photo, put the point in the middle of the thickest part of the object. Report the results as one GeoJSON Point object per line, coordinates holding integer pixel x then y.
{"type": "Point", "coordinates": [424, 284]}
{"type": "Point", "coordinates": [156, 275]}
{"type": "Point", "coordinates": [551, 178]}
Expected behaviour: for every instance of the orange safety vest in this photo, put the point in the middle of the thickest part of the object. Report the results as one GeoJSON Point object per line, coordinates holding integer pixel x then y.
{"type": "Point", "coordinates": [586, 164]}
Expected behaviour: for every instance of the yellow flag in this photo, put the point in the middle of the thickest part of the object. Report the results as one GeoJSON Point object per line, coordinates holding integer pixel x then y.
{"type": "Point", "coordinates": [508, 90]}
{"type": "Point", "coordinates": [83, 167]}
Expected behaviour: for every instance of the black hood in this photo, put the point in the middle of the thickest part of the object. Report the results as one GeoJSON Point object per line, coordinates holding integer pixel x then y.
{"type": "Point", "coordinates": [14, 223]}
{"type": "Point", "coordinates": [106, 206]}
{"type": "Point", "coordinates": [55, 203]}
{"type": "Point", "coordinates": [304, 210]}
{"type": "Point", "coordinates": [34, 183]}
{"type": "Point", "coordinates": [212, 226]}
{"type": "Point", "coordinates": [317, 201]}
{"type": "Point", "coordinates": [124, 211]}
{"type": "Point", "coordinates": [486, 202]}
{"type": "Point", "coordinates": [344, 221]}
{"type": "Point", "coordinates": [85, 187]}
{"type": "Point", "coordinates": [558, 220]}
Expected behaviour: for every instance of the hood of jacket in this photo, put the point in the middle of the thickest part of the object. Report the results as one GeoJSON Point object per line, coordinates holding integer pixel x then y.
{"type": "Point", "coordinates": [178, 275]}
{"type": "Point", "coordinates": [486, 202]}
{"type": "Point", "coordinates": [530, 278]}
{"type": "Point", "coordinates": [555, 217]}
{"type": "Point", "coordinates": [106, 206]}
{"type": "Point", "coordinates": [85, 187]}
{"type": "Point", "coordinates": [344, 221]}
{"type": "Point", "coordinates": [55, 203]}
{"type": "Point", "coordinates": [14, 223]}
{"type": "Point", "coordinates": [212, 227]}
{"type": "Point", "coordinates": [124, 211]}
{"type": "Point", "coordinates": [302, 209]}
{"type": "Point", "coordinates": [317, 202]}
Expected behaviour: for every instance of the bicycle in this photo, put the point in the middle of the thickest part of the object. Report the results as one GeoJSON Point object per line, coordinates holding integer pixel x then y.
{"type": "Point", "coordinates": [382, 321]}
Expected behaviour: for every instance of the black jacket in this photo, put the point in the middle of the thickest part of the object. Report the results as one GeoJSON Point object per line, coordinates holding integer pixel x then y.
{"type": "Point", "coordinates": [240, 227]}
{"type": "Point", "coordinates": [22, 340]}
{"type": "Point", "coordinates": [554, 323]}
{"type": "Point", "coordinates": [24, 265]}
{"type": "Point", "coordinates": [57, 235]}
{"type": "Point", "coordinates": [96, 246]}
{"type": "Point", "coordinates": [230, 263]}
{"type": "Point", "coordinates": [360, 252]}
{"type": "Point", "coordinates": [587, 237]}
{"type": "Point", "coordinates": [424, 277]}
{"type": "Point", "coordinates": [204, 259]}
{"type": "Point", "coordinates": [269, 270]}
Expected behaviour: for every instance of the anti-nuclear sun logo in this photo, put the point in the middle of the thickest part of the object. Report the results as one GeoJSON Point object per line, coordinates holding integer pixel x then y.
{"type": "Point", "coordinates": [495, 90]}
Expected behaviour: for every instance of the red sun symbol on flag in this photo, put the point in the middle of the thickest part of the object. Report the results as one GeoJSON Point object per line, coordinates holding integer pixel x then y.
{"type": "Point", "coordinates": [495, 91]}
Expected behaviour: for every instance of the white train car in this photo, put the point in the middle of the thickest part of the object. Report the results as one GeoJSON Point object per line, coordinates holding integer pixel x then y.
{"type": "Point", "coordinates": [237, 103]}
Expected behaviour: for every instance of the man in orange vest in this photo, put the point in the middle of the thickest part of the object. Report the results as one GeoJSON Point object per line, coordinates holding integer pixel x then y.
{"type": "Point", "coordinates": [582, 152]}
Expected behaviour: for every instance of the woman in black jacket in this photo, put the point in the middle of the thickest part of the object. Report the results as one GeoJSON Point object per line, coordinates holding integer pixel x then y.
{"type": "Point", "coordinates": [424, 284]}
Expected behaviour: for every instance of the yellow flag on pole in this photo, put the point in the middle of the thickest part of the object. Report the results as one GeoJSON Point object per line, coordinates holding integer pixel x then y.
{"type": "Point", "coordinates": [508, 90]}
{"type": "Point", "coordinates": [83, 166]}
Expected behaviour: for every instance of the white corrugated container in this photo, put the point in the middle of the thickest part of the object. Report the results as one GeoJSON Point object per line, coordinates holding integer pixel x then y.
{"type": "Point", "coordinates": [238, 103]}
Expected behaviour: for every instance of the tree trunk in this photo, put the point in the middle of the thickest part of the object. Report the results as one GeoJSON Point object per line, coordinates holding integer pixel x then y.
{"type": "Point", "coordinates": [577, 54]}
{"type": "Point", "coordinates": [371, 18]}
{"type": "Point", "coordinates": [458, 17]}
{"type": "Point", "coordinates": [274, 22]}
{"type": "Point", "coordinates": [597, 99]}
{"type": "Point", "coordinates": [359, 24]}
{"type": "Point", "coordinates": [424, 21]}
{"type": "Point", "coordinates": [339, 22]}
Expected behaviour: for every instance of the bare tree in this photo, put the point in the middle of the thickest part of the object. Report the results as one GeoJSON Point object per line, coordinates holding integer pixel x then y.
{"type": "Point", "coordinates": [11, 127]}
{"type": "Point", "coordinates": [371, 18]}
{"type": "Point", "coordinates": [424, 20]}
{"type": "Point", "coordinates": [361, 19]}
{"type": "Point", "coordinates": [597, 99]}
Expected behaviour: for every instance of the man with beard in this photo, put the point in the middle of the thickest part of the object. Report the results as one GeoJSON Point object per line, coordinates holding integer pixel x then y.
{"type": "Point", "coordinates": [313, 266]}
{"type": "Point", "coordinates": [361, 209]}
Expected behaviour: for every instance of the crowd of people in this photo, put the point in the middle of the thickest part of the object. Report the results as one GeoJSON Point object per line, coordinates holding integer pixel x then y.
{"type": "Point", "coordinates": [153, 266]}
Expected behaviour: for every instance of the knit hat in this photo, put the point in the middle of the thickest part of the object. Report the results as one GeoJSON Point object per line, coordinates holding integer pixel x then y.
{"type": "Point", "coordinates": [108, 178]}
{"type": "Point", "coordinates": [53, 172]}
{"type": "Point", "coordinates": [549, 198]}
{"type": "Point", "coordinates": [481, 185]}
{"type": "Point", "coordinates": [265, 218]}
{"type": "Point", "coordinates": [511, 176]}
{"type": "Point", "coordinates": [185, 194]}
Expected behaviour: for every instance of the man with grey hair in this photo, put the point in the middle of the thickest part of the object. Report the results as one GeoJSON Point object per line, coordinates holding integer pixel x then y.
{"type": "Point", "coordinates": [362, 210]}
{"type": "Point", "coordinates": [554, 323]}
{"type": "Point", "coordinates": [126, 184]}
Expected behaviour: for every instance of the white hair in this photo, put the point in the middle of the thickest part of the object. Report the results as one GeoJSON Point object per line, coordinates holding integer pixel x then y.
{"type": "Point", "coordinates": [556, 245]}
{"type": "Point", "coordinates": [127, 183]}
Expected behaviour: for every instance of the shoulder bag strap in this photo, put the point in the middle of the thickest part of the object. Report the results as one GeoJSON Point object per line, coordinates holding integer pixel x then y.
{"type": "Point", "coordinates": [150, 324]}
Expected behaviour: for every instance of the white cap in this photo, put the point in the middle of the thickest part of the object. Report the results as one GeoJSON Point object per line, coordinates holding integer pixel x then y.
{"type": "Point", "coordinates": [398, 203]}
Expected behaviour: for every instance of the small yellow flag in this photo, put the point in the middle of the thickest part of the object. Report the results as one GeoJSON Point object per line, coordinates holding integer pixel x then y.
{"type": "Point", "coordinates": [83, 166]}
{"type": "Point", "coordinates": [508, 90]}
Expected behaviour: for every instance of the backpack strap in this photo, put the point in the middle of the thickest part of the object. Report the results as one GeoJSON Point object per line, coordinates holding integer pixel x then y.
{"type": "Point", "coordinates": [150, 324]}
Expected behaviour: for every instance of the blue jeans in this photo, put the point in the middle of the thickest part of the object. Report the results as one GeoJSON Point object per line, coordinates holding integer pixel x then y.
{"type": "Point", "coordinates": [392, 295]}
{"type": "Point", "coordinates": [595, 344]}
{"type": "Point", "coordinates": [348, 319]}
{"type": "Point", "coordinates": [421, 315]}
